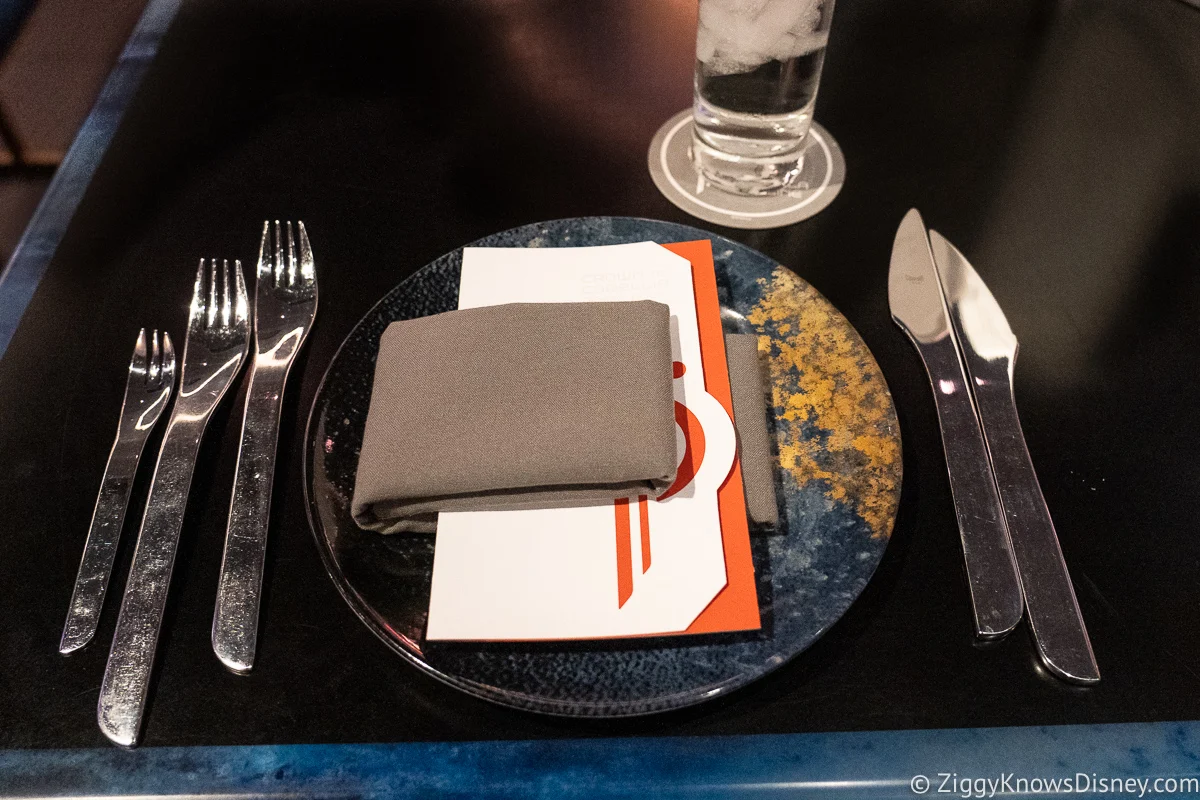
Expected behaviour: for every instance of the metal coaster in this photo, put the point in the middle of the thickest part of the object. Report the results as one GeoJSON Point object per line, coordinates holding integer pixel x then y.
{"type": "Point", "coordinates": [671, 167]}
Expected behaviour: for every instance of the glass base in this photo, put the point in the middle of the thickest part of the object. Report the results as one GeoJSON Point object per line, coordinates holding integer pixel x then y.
{"type": "Point", "coordinates": [774, 174]}
{"type": "Point", "coordinates": [821, 171]}
{"type": "Point", "coordinates": [750, 154]}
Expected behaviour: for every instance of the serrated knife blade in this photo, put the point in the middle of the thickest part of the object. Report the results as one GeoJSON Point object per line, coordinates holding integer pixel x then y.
{"type": "Point", "coordinates": [918, 307]}
{"type": "Point", "coordinates": [989, 352]}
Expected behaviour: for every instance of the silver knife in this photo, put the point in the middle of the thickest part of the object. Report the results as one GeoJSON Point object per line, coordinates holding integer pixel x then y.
{"type": "Point", "coordinates": [915, 298]}
{"type": "Point", "coordinates": [989, 350]}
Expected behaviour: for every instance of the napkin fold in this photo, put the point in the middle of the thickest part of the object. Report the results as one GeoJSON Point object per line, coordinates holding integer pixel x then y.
{"type": "Point", "coordinates": [524, 405]}
{"type": "Point", "coordinates": [748, 386]}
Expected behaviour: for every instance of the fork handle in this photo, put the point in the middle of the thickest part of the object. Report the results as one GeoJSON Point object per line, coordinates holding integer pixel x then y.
{"type": "Point", "coordinates": [91, 582]}
{"type": "Point", "coordinates": [131, 660]}
{"type": "Point", "coordinates": [239, 588]}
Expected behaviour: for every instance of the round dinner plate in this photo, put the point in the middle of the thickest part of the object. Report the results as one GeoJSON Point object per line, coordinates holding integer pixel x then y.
{"type": "Point", "coordinates": [837, 474]}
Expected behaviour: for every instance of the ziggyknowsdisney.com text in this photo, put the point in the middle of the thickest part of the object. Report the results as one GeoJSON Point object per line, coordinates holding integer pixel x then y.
{"type": "Point", "coordinates": [951, 783]}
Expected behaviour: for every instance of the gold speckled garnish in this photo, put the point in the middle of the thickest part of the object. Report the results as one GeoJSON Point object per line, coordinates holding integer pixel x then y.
{"type": "Point", "coordinates": [836, 423]}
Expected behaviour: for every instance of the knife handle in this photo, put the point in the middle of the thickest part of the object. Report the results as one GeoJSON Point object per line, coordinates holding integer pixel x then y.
{"type": "Point", "coordinates": [1061, 636]}
{"type": "Point", "coordinates": [991, 570]}
{"type": "Point", "coordinates": [239, 587]}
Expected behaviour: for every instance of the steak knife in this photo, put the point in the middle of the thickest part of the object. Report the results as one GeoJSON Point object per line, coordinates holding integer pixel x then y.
{"type": "Point", "coordinates": [989, 351]}
{"type": "Point", "coordinates": [918, 307]}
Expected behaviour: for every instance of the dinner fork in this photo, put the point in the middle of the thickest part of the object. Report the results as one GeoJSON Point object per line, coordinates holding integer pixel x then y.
{"type": "Point", "coordinates": [147, 389]}
{"type": "Point", "coordinates": [285, 303]}
{"type": "Point", "coordinates": [218, 336]}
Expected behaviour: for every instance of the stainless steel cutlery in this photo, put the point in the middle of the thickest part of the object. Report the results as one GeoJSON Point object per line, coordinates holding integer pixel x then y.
{"type": "Point", "coordinates": [989, 351]}
{"type": "Point", "coordinates": [284, 307]}
{"type": "Point", "coordinates": [147, 390]}
{"type": "Point", "coordinates": [1013, 560]}
{"type": "Point", "coordinates": [217, 342]}
{"type": "Point", "coordinates": [218, 337]}
{"type": "Point", "coordinates": [969, 351]}
{"type": "Point", "coordinates": [915, 297]}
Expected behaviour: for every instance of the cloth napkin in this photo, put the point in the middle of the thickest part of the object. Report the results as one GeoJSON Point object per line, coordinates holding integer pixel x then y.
{"type": "Point", "coordinates": [525, 405]}
{"type": "Point", "coordinates": [748, 386]}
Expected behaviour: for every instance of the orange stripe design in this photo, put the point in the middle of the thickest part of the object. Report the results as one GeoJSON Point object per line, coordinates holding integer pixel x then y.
{"type": "Point", "coordinates": [644, 523]}
{"type": "Point", "coordinates": [624, 553]}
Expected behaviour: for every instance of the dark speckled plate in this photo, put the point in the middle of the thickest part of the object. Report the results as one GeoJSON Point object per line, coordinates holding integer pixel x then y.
{"type": "Point", "coordinates": [838, 480]}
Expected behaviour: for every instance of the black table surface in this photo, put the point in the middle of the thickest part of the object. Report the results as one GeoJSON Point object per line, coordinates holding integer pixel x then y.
{"type": "Point", "coordinates": [1056, 143]}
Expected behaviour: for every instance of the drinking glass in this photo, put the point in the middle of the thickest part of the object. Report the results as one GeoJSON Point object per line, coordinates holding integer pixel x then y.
{"type": "Point", "coordinates": [758, 65]}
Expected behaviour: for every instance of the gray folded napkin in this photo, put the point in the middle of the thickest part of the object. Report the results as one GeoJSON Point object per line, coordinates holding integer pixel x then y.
{"type": "Point", "coordinates": [527, 405]}
{"type": "Point", "coordinates": [750, 399]}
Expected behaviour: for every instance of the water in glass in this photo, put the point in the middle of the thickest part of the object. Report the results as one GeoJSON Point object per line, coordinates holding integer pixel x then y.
{"type": "Point", "coordinates": [758, 66]}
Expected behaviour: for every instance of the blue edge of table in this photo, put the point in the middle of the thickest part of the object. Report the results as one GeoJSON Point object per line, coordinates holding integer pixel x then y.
{"type": "Point", "coordinates": [1095, 760]}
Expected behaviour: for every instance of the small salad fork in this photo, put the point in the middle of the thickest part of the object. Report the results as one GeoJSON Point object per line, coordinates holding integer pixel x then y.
{"type": "Point", "coordinates": [218, 337]}
{"type": "Point", "coordinates": [285, 303]}
{"type": "Point", "coordinates": [147, 390]}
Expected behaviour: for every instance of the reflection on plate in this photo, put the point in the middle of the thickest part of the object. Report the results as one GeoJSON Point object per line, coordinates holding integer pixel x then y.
{"type": "Point", "coordinates": [837, 479]}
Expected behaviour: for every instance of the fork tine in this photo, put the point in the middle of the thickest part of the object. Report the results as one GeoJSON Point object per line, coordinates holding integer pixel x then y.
{"type": "Point", "coordinates": [264, 253]}
{"type": "Point", "coordinates": [196, 314]}
{"type": "Point", "coordinates": [291, 262]}
{"type": "Point", "coordinates": [226, 300]}
{"type": "Point", "coordinates": [138, 362]}
{"type": "Point", "coordinates": [241, 310]}
{"type": "Point", "coordinates": [155, 360]}
{"type": "Point", "coordinates": [212, 292]}
{"type": "Point", "coordinates": [168, 359]}
{"type": "Point", "coordinates": [278, 256]}
{"type": "Point", "coordinates": [307, 271]}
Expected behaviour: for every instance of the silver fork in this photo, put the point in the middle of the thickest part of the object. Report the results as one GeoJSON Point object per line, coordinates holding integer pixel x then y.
{"type": "Point", "coordinates": [285, 302]}
{"type": "Point", "coordinates": [217, 339]}
{"type": "Point", "coordinates": [147, 389]}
